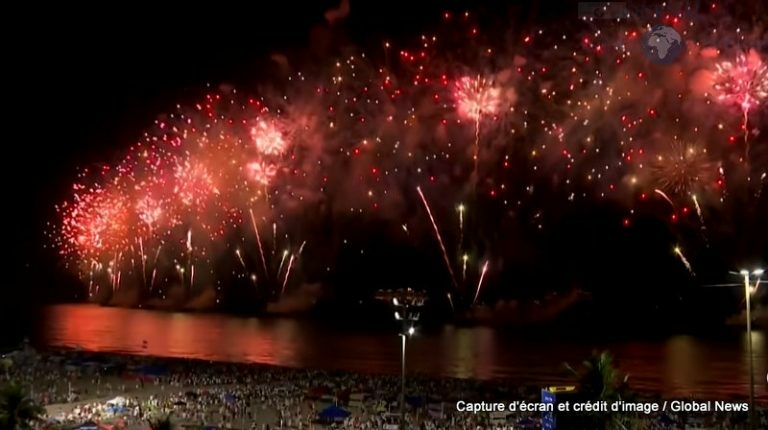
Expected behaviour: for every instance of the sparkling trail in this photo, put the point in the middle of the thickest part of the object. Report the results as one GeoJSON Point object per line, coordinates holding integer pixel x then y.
{"type": "Point", "coordinates": [274, 237]}
{"type": "Point", "coordinates": [258, 241]}
{"type": "Point", "coordinates": [480, 282]}
{"type": "Point", "coordinates": [439, 238]}
{"type": "Point", "coordinates": [143, 261]}
{"type": "Point", "coordinates": [240, 258]}
{"type": "Point", "coordinates": [665, 197]}
{"type": "Point", "coordinates": [686, 263]}
{"type": "Point", "coordinates": [461, 226]}
{"type": "Point", "coordinates": [287, 274]}
{"type": "Point", "coordinates": [189, 259]}
{"type": "Point", "coordinates": [282, 261]}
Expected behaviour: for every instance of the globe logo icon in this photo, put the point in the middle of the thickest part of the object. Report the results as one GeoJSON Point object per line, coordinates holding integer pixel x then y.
{"type": "Point", "coordinates": [662, 44]}
{"type": "Point", "coordinates": [599, 13]}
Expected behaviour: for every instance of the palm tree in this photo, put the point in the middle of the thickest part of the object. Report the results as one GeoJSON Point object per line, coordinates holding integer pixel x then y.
{"type": "Point", "coordinates": [17, 410]}
{"type": "Point", "coordinates": [6, 364]}
{"type": "Point", "coordinates": [600, 380]}
{"type": "Point", "coordinates": [162, 422]}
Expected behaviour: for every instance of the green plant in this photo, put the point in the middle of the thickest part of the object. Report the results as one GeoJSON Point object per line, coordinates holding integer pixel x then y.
{"type": "Point", "coordinates": [600, 380]}
{"type": "Point", "coordinates": [17, 410]}
{"type": "Point", "coordinates": [162, 422]}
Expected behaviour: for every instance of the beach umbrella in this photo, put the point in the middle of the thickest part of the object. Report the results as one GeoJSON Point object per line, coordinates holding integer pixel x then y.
{"type": "Point", "coordinates": [334, 413]}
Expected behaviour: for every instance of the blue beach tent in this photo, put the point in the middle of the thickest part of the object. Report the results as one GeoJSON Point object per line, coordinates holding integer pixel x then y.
{"type": "Point", "coordinates": [334, 413]}
{"type": "Point", "coordinates": [88, 425]}
{"type": "Point", "coordinates": [116, 409]}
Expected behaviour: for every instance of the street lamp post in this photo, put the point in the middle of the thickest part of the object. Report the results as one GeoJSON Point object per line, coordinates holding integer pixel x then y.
{"type": "Point", "coordinates": [401, 403]}
{"type": "Point", "coordinates": [406, 303]}
{"type": "Point", "coordinates": [748, 291]}
{"type": "Point", "coordinates": [404, 336]}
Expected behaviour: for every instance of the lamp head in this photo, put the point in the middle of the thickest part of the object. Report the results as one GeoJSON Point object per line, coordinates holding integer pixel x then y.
{"type": "Point", "coordinates": [758, 272]}
{"type": "Point", "coordinates": [411, 331]}
{"type": "Point", "coordinates": [744, 273]}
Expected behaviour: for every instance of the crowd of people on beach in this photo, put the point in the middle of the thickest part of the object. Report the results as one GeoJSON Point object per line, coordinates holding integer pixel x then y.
{"type": "Point", "coordinates": [118, 392]}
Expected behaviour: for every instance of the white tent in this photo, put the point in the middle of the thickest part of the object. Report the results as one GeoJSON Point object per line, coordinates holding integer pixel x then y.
{"type": "Point", "coordinates": [356, 401]}
{"type": "Point", "coordinates": [117, 401]}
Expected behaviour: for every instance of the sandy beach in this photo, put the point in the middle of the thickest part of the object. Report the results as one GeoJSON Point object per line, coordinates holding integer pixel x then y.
{"type": "Point", "coordinates": [124, 391]}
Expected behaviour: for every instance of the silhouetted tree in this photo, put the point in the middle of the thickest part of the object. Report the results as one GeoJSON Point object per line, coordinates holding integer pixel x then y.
{"type": "Point", "coordinates": [162, 422]}
{"type": "Point", "coordinates": [17, 410]}
{"type": "Point", "coordinates": [600, 380]}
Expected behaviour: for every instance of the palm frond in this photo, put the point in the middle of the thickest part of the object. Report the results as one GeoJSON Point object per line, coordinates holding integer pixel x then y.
{"type": "Point", "coordinates": [17, 410]}
{"type": "Point", "coordinates": [162, 422]}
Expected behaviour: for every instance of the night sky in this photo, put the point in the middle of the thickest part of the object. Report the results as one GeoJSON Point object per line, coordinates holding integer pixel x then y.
{"type": "Point", "coordinates": [90, 80]}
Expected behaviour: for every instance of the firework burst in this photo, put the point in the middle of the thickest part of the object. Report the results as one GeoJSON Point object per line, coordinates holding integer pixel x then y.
{"type": "Point", "coordinates": [96, 224]}
{"type": "Point", "coordinates": [476, 97]}
{"type": "Point", "coordinates": [542, 117]}
{"type": "Point", "coordinates": [684, 169]}
{"type": "Point", "coordinates": [268, 138]}
{"type": "Point", "coordinates": [743, 82]}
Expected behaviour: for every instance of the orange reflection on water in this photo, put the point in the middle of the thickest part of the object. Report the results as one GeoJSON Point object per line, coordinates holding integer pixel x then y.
{"type": "Point", "coordinates": [760, 363]}
{"type": "Point", "coordinates": [210, 337]}
{"type": "Point", "coordinates": [677, 366]}
{"type": "Point", "coordinates": [684, 364]}
{"type": "Point", "coordinates": [454, 345]}
{"type": "Point", "coordinates": [263, 347]}
{"type": "Point", "coordinates": [470, 352]}
{"type": "Point", "coordinates": [485, 351]}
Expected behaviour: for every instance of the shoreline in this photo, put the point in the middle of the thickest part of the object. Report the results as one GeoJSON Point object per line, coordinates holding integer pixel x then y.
{"type": "Point", "coordinates": [263, 394]}
{"type": "Point", "coordinates": [479, 316]}
{"type": "Point", "coordinates": [525, 388]}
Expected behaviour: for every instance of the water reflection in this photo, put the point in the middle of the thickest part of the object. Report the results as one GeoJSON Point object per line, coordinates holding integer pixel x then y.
{"type": "Point", "coordinates": [461, 353]}
{"type": "Point", "coordinates": [760, 360]}
{"type": "Point", "coordinates": [683, 364]}
{"type": "Point", "coordinates": [484, 351]}
{"type": "Point", "coordinates": [679, 366]}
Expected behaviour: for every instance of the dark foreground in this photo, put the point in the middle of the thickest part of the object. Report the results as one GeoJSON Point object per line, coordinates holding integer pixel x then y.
{"type": "Point", "coordinates": [75, 385]}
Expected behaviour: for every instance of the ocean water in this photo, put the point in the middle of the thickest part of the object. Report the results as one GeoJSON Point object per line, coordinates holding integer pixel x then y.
{"type": "Point", "coordinates": [677, 365]}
